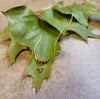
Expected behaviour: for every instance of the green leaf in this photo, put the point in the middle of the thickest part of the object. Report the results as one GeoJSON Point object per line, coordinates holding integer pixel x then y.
{"type": "Point", "coordinates": [41, 33]}
{"type": "Point", "coordinates": [30, 38]}
{"type": "Point", "coordinates": [40, 37]}
{"type": "Point", "coordinates": [26, 30]}
{"type": "Point", "coordinates": [81, 12]}
{"type": "Point", "coordinates": [15, 29]}
{"type": "Point", "coordinates": [60, 22]}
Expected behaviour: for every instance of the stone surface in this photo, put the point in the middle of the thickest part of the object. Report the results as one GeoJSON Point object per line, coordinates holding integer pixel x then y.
{"type": "Point", "coordinates": [75, 73]}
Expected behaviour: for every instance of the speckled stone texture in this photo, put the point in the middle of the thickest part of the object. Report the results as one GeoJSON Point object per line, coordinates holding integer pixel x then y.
{"type": "Point", "coordinates": [75, 73]}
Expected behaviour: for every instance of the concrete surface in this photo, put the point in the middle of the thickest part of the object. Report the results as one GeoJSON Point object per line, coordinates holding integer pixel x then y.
{"type": "Point", "coordinates": [75, 74]}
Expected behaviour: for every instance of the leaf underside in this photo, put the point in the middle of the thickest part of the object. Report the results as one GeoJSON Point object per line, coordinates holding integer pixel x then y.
{"type": "Point", "coordinates": [41, 34]}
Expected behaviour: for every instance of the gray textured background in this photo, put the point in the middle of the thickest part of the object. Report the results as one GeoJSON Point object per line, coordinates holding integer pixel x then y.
{"type": "Point", "coordinates": [75, 73]}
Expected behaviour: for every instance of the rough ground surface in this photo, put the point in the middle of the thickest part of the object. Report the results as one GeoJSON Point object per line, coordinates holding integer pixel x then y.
{"type": "Point", "coordinates": [75, 74]}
